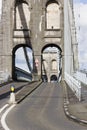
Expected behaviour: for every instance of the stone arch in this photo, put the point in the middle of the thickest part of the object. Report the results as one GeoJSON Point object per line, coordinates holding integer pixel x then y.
{"type": "Point", "coordinates": [53, 78]}
{"type": "Point", "coordinates": [52, 13]}
{"type": "Point", "coordinates": [21, 15]}
{"type": "Point", "coordinates": [14, 56]}
{"type": "Point", "coordinates": [15, 1]}
{"type": "Point", "coordinates": [21, 31]}
{"type": "Point", "coordinates": [51, 45]}
{"type": "Point", "coordinates": [51, 53]}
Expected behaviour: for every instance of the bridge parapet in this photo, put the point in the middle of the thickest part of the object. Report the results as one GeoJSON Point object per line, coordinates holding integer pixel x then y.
{"type": "Point", "coordinates": [74, 84]}
{"type": "Point", "coordinates": [82, 76]}
{"type": "Point", "coordinates": [4, 77]}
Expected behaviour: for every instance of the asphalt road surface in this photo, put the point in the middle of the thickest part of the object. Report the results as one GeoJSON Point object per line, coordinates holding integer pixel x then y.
{"type": "Point", "coordinates": [42, 110]}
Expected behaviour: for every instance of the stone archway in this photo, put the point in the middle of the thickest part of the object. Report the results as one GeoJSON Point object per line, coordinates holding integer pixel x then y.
{"type": "Point", "coordinates": [51, 61]}
{"type": "Point", "coordinates": [52, 13]}
{"type": "Point", "coordinates": [22, 65]}
{"type": "Point", "coordinates": [53, 78]}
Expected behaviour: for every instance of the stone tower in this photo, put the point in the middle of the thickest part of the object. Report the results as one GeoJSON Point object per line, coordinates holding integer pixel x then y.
{"type": "Point", "coordinates": [37, 24]}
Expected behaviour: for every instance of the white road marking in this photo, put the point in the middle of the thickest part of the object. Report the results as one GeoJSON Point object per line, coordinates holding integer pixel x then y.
{"type": "Point", "coordinates": [1, 109]}
{"type": "Point", "coordinates": [4, 125]}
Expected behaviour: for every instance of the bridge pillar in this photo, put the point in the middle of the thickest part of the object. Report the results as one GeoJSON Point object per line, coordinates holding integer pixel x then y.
{"type": "Point", "coordinates": [38, 34]}
{"type": "Point", "coordinates": [48, 78]}
{"type": "Point", "coordinates": [5, 65]}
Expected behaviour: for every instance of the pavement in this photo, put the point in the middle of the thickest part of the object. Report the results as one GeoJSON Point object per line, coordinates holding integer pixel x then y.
{"type": "Point", "coordinates": [22, 90]}
{"type": "Point", "coordinates": [74, 109]}
{"type": "Point", "coordinates": [21, 95]}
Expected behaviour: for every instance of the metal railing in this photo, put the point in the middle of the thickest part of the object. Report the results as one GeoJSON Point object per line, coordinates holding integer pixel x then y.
{"type": "Point", "coordinates": [81, 76]}
{"type": "Point", "coordinates": [74, 84]}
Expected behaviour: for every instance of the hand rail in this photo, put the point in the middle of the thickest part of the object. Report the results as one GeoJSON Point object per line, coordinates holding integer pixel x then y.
{"type": "Point", "coordinates": [74, 84]}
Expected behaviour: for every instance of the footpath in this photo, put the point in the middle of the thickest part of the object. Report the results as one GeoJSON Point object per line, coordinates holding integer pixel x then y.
{"type": "Point", "coordinates": [73, 108]}
{"type": "Point", "coordinates": [21, 95]}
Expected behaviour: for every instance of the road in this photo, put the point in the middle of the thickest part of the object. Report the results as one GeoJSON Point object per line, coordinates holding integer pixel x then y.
{"type": "Point", "coordinates": [42, 110]}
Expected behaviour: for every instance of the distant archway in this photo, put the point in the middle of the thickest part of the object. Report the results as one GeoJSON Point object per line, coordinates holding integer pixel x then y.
{"type": "Point", "coordinates": [54, 64]}
{"type": "Point", "coordinates": [53, 78]}
{"type": "Point", "coordinates": [51, 61]}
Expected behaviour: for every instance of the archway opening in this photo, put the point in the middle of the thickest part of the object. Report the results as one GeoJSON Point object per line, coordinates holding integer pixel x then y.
{"type": "Point", "coordinates": [52, 15]}
{"type": "Point", "coordinates": [53, 78]}
{"type": "Point", "coordinates": [22, 66]}
{"type": "Point", "coordinates": [51, 62]}
{"type": "Point", "coordinates": [21, 15]}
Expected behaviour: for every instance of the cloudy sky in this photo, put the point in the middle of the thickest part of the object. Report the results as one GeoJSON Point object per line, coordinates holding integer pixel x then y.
{"type": "Point", "coordinates": [20, 58]}
{"type": "Point", "coordinates": [0, 6]}
{"type": "Point", "coordinates": [80, 7]}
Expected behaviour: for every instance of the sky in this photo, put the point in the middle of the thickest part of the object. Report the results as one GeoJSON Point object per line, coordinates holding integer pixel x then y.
{"type": "Point", "coordinates": [80, 12]}
{"type": "Point", "coordinates": [20, 58]}
{"type": "Point", "coordinates": [0, 6]}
